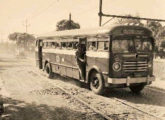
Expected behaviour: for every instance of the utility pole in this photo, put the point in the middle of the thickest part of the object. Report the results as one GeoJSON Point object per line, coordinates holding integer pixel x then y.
{"type": "Point", "coordinates": [70, 19]}
{"type": "Point", "coordinates": [100, 13]}
{"type": "Point", "coordinates": [26, 25]}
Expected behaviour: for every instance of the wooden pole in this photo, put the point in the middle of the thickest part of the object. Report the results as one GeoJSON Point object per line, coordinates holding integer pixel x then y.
{"type": "Point", "coordinates": [100, 13]}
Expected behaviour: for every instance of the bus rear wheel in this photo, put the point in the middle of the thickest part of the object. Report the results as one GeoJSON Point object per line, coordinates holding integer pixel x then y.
{"type": "Point", "coordinates": [96, 83]}
{"type": "Point", "coordinates": [48, 71]}
{"type": "Point", "coordinates": [137, 88]}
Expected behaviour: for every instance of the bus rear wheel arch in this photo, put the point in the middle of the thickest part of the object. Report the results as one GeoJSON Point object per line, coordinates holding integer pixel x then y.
{"type": "Point", "coordinates": [96, 82]}
{"type": "Point", "coordinates": [48, 70]}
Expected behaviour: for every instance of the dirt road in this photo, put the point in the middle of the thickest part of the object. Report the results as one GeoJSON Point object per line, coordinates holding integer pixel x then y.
{"type": "Point", "coordinates": [29, 95]}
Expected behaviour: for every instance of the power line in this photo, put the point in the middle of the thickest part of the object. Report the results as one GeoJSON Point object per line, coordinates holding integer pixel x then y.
{"type": "Point", "coordinates": [101, 14]}
{"type": "Point", "coordinates": [130, 17]}
{"type": "Point", "coordinates": [42, 11]}
{"type": "Point", "coordinates": [107, 21]}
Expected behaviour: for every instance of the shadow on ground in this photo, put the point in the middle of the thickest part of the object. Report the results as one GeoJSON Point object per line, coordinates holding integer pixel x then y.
{"type": "Point", "coordinates": [19, 110]}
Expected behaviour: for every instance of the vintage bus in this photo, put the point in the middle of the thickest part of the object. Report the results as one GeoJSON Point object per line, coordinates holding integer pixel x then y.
{"type": "Point", "coordinates": [116, 56]}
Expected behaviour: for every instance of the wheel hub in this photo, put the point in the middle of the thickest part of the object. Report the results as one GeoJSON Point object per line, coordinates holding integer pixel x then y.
{"type": "Point", "coordinates": [95, 82]}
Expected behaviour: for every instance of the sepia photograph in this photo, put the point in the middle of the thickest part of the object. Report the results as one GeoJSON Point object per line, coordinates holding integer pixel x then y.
{"type": "Point", "coordinates": [82, 60]}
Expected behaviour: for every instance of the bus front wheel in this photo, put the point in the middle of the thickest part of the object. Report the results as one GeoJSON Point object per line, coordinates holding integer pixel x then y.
{"type": "Point", "coordinates": [137, 88]}
{"type": "Point", "coordinates": [96, 83]}
{"type": "Point", "coordinates": [48, 71]}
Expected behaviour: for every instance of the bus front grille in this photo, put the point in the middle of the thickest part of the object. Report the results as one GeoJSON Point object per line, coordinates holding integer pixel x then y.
{"type": "Point", "coordinates": [135, 66]}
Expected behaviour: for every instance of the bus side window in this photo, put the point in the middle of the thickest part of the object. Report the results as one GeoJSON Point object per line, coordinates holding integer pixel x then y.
{"type": "Point", "coordinates": [92, 46]}
{"type": "Point", "coordinates": [74, 44]}
{"type": "Point", "coordinates": [53, 45]}
{"type": "Point", "coordinates": [44, 45]}
{"type": "Point", "coordinates": [106, 45]}
{"type": "Point", "coordinates": [49, 44]}
{"type": "Point", "coordinates": [57, 45]}
{"type": "Point", "coordinates": [69, 46]}
{"type": "Point", "coordinates": [63, 45]}
{"type": "Point", "coordinates": [103, 45]}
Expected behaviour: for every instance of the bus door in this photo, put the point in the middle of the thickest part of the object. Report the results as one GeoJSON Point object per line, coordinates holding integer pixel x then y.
{"type": "Point", "coordinates": [40, 44]}
{"type": "Point", "coordinates": [82, 51]}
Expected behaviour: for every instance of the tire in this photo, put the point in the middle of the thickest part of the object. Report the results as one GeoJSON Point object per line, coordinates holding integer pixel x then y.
{"type": "Point", "coordinates": [96, 83]}
{"type": "Point", "coordinates": [137, 88]}
{"type": "Point", "coordinates": [48, 71]}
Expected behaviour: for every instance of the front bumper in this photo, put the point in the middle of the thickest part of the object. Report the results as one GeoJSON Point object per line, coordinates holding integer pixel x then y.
{"type": "Point", "coordinates": [130, 80]}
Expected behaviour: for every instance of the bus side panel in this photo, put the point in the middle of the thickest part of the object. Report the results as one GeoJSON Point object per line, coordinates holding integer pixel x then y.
{"type": "Point", "coordinates": [90, 63]}
{"type": "Point", "coordinates": [102, 64]}
{"type": "Point", "coordinates": [53, 63]}
{"type": "Point", "coordinates": [44, 56]}
{"type": "Point", "coordinates": [100, 60]}
{"type": "Point", "coordinates": [75, 70]}
{"type": "Point", "coordinates": [62, 61]}
{"type": "Point", "coordinates": [68, 62]}
{"type": "Point", "coordinates": [62, 68]}
{"type": "Point", "coordinates": [36, 58]}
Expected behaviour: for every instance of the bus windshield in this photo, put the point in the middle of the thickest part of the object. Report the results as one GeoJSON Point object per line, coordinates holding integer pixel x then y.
{"type": "Point", "coordinates": [131, 45]}
{"type": "Point", "coordinates": [143, 45]}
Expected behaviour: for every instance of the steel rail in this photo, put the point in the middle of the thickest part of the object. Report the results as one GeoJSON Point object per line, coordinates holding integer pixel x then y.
{"type": "Point", "coordinates": [101, 113]}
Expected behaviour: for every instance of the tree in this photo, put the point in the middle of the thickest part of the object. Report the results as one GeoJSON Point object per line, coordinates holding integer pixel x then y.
{"type": "Point", "coordinates": [24, 39]}
{"type": "Point", "coordinates": [155, 27]}
{"type": "Point", "coordinates": [67, 25]}
{"type": "Point", "coordinates": [130, 21]}
{"type": "Point", "coordinates": [13, 36]}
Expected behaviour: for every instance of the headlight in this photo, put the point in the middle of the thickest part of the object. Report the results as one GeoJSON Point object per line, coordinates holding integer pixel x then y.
{"type": "Point", "coordinates": [116, 66]}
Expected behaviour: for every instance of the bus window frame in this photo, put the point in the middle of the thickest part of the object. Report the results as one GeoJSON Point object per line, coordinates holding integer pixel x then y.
{"type": "Point", "coordinates": [133, 36]}
{"type": "Point", "coordinates": [104, 46]}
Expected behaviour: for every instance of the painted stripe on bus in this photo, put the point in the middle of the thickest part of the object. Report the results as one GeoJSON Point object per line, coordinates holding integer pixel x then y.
{"type": "Point", "coordinates": [97, 54]}
{"type": "Point", "coordinates": [59, 51]}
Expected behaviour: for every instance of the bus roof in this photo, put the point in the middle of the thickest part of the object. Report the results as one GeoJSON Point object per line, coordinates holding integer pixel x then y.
{"type": "Point", "coordinates": [85, 32]}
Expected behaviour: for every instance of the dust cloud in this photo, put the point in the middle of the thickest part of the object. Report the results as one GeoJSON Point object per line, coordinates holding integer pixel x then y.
{"type": "Point", "coordinates": [11, 49]}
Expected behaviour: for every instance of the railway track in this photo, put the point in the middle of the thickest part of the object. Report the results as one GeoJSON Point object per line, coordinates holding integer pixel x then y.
{"type": "Point", "coordinates": [125, 103]}
{"type": "Point", "coordinates": [86, 104]}
{"type": "Point", "coordinates": [155, 89]}
{"type": "Point", "coordinates": [103, 113]}
{"type": "Point", "coordinates": [116, 99]}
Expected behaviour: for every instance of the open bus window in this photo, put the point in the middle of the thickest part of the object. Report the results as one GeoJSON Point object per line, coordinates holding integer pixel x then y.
{"type": "Point", "coordinates": [122, 46]}
{"type": "Point", "coordinates": [103, 45]}
{"type": "Point", "coordinates": [55, 45]}
{"type": "Point", "coordinates": [75, 45]}
{"type": "Point", "coordinates": [92, 46]}
{"type": "Point", "coordinates": [69, 45]}
{"type": "Point", "coordinates": [63, 45]}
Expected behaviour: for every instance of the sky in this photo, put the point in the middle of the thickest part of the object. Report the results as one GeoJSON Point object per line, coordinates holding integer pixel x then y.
{"type": "Point", "coordinates": [42, 15]}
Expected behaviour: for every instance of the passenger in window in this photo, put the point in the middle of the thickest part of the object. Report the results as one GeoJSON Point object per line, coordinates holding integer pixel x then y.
{"type": "Point", "coordinates": [75, 45]}
{"type": "Point", "coordinates": [92, 46]}
{"type": "Point", "coordinates": [63, 45]}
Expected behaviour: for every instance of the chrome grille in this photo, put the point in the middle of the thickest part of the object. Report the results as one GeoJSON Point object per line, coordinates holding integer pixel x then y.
{"type": "Point", "coordinates": [135, 66]}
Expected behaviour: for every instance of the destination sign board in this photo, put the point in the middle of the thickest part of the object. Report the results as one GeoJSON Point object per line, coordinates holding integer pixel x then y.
{"type": "Point", "coordinates": [133, 31]}
{"type": "Point", "coordinates": [130, 31]}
